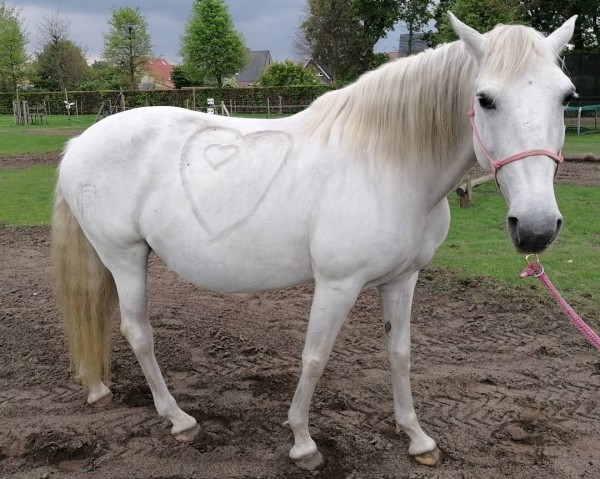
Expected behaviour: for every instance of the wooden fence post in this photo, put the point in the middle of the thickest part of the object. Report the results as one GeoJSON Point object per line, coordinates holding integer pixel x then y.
{"type": "Point", "coordinates": [465, 191]}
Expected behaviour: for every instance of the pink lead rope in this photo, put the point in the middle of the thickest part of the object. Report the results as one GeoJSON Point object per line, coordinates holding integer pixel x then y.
{"type": "Point", "coordinates": [536, 270]}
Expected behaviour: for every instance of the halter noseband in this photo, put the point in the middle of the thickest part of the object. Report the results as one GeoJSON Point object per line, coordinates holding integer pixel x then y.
{"type": "Point", "coordinates": [497, 164]}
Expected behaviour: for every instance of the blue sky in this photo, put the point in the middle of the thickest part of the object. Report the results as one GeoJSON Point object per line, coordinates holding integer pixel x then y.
{"type": "Point", "coordinates": [265, 24]}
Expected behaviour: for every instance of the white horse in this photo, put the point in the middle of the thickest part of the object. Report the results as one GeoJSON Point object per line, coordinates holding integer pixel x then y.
{"type": "Point", "coordinates": [350, 194]}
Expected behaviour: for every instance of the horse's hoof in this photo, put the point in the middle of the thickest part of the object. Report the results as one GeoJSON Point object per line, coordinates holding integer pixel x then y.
{"type": "Point", "coordinates": [100, 402]}
{"type": "Point", "coordinates": [431, 458]}
{"type": "Point", "coordinates": [187, 435]}
{"type": "Point", "coordinates": [311, 462]}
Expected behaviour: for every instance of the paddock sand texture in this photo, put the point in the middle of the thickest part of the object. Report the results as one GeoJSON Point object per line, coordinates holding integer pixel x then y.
{"type": "Point", "coordinates": [500, 379]}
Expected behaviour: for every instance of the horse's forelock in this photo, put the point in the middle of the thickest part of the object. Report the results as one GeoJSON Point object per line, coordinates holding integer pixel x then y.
{"type": "Point", "coordinates": [512, 48]}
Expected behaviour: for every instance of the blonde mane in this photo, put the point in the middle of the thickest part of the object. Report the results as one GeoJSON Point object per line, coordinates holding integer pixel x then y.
{"type": "Point", "coordinates": [416, 108]}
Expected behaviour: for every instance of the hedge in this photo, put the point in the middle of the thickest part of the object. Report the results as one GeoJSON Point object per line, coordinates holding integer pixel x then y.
{"type": "Point", "coordinates": [251, 100]}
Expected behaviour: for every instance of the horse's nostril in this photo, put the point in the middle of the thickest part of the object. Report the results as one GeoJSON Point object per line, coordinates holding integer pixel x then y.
{"type": "Point", "coordinates": [558, 225]}
{"type": "Point", "coordinates": [513, 223]}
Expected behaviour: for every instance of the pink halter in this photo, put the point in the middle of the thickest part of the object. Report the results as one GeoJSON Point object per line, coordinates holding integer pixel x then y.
{"type": "Point", "coordinates": [497, 164]}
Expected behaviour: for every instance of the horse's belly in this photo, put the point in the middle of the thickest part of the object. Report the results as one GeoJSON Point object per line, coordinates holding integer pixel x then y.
{"type": "Point", "coordinates": [242, 270]}
{"type": "Point", "coordinates": [268, 251]}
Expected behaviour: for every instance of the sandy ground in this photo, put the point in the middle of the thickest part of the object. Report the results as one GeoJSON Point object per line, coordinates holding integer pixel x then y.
{"type": "Point", "coordinates": [500, 380]}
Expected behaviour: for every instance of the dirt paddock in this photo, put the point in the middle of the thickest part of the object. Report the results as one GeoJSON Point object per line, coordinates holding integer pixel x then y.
{"type": "Point", "coordinates": [500, 380]}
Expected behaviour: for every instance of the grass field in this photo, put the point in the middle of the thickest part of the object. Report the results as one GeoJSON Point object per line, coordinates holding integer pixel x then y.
{"type": "Point", "coordinates": [60, 122]}
{"type": "Point", "coordinates": [40, 138]}
{"type": "Point", "coordinates": [582, 143]}
{"type": "Point", "coordinates": [26, 195]}
{"type": "Point", "coordinates": [17, 139]}
{"type": "Point", "coordinates": [478, 243]}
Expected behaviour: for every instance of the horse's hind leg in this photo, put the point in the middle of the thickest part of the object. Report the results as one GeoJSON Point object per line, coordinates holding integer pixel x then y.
{"type": "Point", "coordinates": [396, 303]}
{"type": "Point", "coordinates": [330, 306]}
{"type": "Point", "coordinates": [130, 278]}
{"type": "Point", "coordinates": [99, 395]}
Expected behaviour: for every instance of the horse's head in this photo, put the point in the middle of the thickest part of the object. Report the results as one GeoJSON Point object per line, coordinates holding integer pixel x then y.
{"type": "Point", "coordinates": [518, 114]}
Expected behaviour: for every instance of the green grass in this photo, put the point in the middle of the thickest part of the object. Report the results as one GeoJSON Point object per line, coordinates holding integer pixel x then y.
{"type": "Point", "coordinates": [26, 195]}
{"type": "Point", "coordinates": [582, 143]}
{"type": "Point", "coordinates": [478, 243]}
{"type": "Point", "coordinates": [19, 143]}
{"type": "Point", "coordinates": [18, 139]}
{"type": "Point", "coordinates": [60, 122]}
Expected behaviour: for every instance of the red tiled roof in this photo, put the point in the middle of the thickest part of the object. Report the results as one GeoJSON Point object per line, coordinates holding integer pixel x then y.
{"type": "Point", "coordinates": [161, 71]}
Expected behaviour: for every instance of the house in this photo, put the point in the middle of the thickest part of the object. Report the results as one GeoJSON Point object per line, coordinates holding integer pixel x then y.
{"type": "Point", "coordinates": [418, 44]}
{"type": "Point", "coordinates": [322, 72]}
{"type": "Point", "coordinates": [157, 75]}
{"type": "Point", "coordinates": [259, 61]}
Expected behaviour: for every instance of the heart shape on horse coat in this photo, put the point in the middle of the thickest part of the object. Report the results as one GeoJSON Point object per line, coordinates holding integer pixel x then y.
{"type": "Point", "coordinates": [218, 155]}
{"type": "Point", "coordinates": [226, 175]}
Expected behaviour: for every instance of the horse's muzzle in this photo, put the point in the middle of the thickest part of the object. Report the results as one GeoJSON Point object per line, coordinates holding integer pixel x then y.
{"type": "Point", "coordinates": [533, 236]}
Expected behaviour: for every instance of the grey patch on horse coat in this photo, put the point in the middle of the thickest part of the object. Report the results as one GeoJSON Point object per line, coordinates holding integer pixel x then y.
{"type": "Point", "coordinates": [86, 201]}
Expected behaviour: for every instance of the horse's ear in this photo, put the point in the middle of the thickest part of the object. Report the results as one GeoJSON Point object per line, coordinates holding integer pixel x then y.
{"type": "Point", "coordinates": [474, 40]}
{"type": "Point", "coordinates": [561, 36]}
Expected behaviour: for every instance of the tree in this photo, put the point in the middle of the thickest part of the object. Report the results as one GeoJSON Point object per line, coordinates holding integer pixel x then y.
{"type": "Point", "coordinates": [482, 15]}
{"type": "Point", "coordinates": [380, 59]}
{"type": "Point", "coordinates": [210, 44]}
{"type": "Point", "coordinates": [416, 14]}
{"type": "Point", "coordinates": [342, 33]}
{"type": "Point", "coordinates": [182, 78]}
{"type": "Point", "coordinates": [61, 63]}
{"type": "Point", "coordinates": [547, 16]}
{"type": "Point", "coordinates": [13, 57]}
{"type": "Point", "coordinates": [376, 17]}
{"type": "Point", "coordinates": [330, 35]}
{"type": "Point", "coordinates": [103, 76]}
{"type": "Point", "coordinates": [127, 45]}
{"type": "Point", "coordinates": [51, 29]}
{"type": "Point", "coordinates": [287, 73]}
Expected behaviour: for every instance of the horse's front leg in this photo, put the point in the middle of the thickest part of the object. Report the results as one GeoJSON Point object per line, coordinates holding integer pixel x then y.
{"type": "Point", "coordinates": [330, 307]}
{"type": "Point", "coordinates": [396, 303]}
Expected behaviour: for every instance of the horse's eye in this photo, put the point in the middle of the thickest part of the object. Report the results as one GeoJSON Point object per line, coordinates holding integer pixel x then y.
{"type": "Point", "coordinates": [570, 97]}
{"type": "Point", "coordinates": [486, 102]}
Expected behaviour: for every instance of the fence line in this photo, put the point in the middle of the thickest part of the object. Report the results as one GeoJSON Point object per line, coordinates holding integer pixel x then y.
{"type": "Point", "coordinates": [272, 100]}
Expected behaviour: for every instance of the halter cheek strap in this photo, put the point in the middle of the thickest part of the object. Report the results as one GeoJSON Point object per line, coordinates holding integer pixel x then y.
{"type": "Point", "coordinates": [497, 164]}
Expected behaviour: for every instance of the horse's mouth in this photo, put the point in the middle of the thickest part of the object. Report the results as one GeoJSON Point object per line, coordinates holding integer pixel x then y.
{"type": "Point", "coordinates": [527, 241]}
